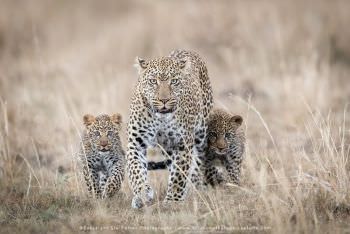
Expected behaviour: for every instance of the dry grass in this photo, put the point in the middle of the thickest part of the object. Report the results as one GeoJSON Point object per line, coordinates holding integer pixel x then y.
{"type": "Point", "coordinates": [283, 66]}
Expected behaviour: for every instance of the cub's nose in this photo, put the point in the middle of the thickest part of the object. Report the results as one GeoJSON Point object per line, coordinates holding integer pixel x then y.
{"type": "Point", "coordinates": [221, 144]}
{"type": "Point", "coordinates": [104, 142]}
{"type": "Point", "coordinates": [221, 147]}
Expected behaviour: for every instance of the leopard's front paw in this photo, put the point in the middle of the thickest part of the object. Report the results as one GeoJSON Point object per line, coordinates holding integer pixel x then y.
{"type": "Point", "coordinates": [170, 202]}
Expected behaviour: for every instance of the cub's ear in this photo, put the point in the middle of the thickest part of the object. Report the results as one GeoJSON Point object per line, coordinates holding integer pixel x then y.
{"type": "Point", "coordinates": [88, 119]}
{"type": "Point", "coordinates": [116, 118]}
{"type": "Point", "coordinates": [183, 63]}
{"type": "Point", "coordinates": [140, 64]}
{"type": "Point", "coordinates": [237, 119]}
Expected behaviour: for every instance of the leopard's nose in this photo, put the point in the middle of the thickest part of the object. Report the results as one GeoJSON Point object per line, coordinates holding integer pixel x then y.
{"type": "Point", "coordinates": [164, 100]}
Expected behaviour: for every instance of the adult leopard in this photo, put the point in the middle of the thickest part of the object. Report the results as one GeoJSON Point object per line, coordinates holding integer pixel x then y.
{"type": "Point", "coordinates": [172, 99]}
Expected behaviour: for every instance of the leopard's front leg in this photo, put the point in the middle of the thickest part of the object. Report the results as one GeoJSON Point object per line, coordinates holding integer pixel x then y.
{"type": "Point", "coordinates": [137, 165]}
{"type": "Point", "coordinates": [198, 168]}
{"type": "Point", "coordinates": [180, 173]}
{"type": "Point", "coordinates": [137, 173]}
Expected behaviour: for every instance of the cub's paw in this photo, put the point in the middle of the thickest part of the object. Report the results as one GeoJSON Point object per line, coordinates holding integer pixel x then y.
{"type": "Point", "coordinates": [167, 202]}
{"type": "Point", "coordinates": [149, 195]}
{"type": "Point", "coordinates": [137, 202]}
{"type": "Point", "coordinates": [201, 187]}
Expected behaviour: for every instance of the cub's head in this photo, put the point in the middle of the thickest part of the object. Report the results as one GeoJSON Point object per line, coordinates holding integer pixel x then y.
{"type": "Point", "coordinates": [162, 82]}
{"type": "Point", "coordinates": [222, 129]}
{"type": "Point", "coordinates": [102, 130]}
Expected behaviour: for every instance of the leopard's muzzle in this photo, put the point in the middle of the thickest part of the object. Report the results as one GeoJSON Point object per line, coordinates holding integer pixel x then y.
{"type": "Point", "coordinates": [164, 106]}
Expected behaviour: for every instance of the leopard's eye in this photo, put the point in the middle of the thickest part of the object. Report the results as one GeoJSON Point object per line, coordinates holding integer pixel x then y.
{"type": "Point", "coordinates": [174, 81]}
{"type": "Point", "coordinates": [212, 136]}
{"type": "Point", "coordinates": [97, 134]}
{"type": "Point", "coordinates": [152, 81]}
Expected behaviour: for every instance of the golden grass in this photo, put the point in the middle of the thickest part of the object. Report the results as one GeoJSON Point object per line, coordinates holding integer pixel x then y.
{"type": "Point", "coordinates": [283, 66]}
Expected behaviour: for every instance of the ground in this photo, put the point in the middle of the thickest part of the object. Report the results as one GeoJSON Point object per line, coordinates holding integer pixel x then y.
{"type": "Point", "coordinates": [283, 66]}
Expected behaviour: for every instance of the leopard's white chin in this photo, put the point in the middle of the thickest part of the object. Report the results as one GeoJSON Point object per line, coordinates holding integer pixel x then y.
{"type": "Point", "coordinates": [167, 116]}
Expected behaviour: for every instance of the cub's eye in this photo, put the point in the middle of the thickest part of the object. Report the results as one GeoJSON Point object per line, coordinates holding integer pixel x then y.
{"type": "Point", "coordinates": [174, 81]}
{"type": "Point", "coordinates": [212, 136]}
{"type": "Point", "coordinates": [110, 133]}
{"type": "Point", "coordinates": [97, 134]}
{"type": "Point", "coordinates": [228, 135]}
{"type": "Point", "coordinates": [152, 81]}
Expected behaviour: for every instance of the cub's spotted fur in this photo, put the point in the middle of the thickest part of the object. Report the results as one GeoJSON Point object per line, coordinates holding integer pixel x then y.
{"type": "Point", "coordinates": [102, 156]}
{"type": "Point", "coordinates": [225, 149]}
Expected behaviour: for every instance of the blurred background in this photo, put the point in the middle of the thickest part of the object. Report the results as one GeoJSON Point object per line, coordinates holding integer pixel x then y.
{"type": "Point", "coordinates": [283, 65]}
{"type": "Point", "coordinates": [62, 59]}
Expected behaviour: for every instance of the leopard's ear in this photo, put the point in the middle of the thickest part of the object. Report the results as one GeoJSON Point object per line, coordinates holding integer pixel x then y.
{"type": "Point", "coordinates": [116, 118]}
{"type": "Point", "coordinates": [140, 64]}
{"type": "Point", "coordinates": [237, 119]}
{"type": "Point", "coordinates": [88, 120]}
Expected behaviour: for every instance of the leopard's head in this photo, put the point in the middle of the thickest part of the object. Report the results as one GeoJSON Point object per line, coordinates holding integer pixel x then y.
{"type": "Point", "coordinates": [222, 130]}
{"type": "Point", "coordinates": [162, 82]}
{"type": "Point", "coordinates": [102, 130]}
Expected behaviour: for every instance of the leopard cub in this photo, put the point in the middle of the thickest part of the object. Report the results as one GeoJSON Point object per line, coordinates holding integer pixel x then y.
{"type": "Point", "coordinates": [224, 151]}
{"type": "Point", "coordinates": [102, 155]}
{"type": "Point", "coordinates": [226, 144]}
